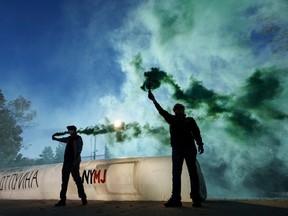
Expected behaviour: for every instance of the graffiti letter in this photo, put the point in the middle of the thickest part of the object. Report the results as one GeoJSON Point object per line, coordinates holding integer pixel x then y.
{"type": "Point", "coordinates": [104, 177]}
{"type": "Point", "coordinates": [97, 176]}
{"type": "Point", "coordinates": [34, 178]}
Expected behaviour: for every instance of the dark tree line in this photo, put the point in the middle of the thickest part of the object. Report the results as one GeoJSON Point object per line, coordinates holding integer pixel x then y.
{"type": "Point", "coordinates": [15, 116]}
{"type": "Point", "coordinates": [47, 156]}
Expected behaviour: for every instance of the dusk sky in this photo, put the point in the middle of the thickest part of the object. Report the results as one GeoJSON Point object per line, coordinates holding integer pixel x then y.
{"type": "Point", "coordinates": [82, 63]}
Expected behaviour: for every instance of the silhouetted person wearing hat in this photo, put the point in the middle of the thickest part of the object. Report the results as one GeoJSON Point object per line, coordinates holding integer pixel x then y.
{"type": "Point", "coordinates": [72, 159]}
{"type": "Point", "coordinates": [183, 132]}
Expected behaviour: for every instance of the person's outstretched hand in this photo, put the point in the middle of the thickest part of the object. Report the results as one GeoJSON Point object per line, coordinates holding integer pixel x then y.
{"type": "Point", "coordinates": [151, 96]}
{"type": "Point", "coordinates": [200, 149]}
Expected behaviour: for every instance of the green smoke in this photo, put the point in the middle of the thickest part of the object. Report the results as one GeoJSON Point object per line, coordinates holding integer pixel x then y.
{"type": "Point", "coordinates": [137, 63]}
{"type": "Point", "coordinates": [153, 79]}
{"type": "Point", "coordinates": [225, 40]}
{"type": "Point", "coordinates": [243, 109]}
{"type": "Point", "coordinates": [250, 110]}
{"type": "Point", "coordinates": [173, 22]}
{"type": "Point", "coordinates": [135, 130]}
{"type": "Point", "coordinates": [193, 97]}
{"type": "Point", "coordinates": [196, 95]}
{"type": "Point", "coordinates": [260, 87]}
{"type": "Point", "coordinates": [128, 131]}
{"type": "Point", "coordinates": [100, 129]}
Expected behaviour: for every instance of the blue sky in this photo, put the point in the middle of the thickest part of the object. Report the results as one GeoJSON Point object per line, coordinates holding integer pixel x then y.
{"type": "Point", "coordinates": [52, 51]}
{"type": "Point", "coordinates": [82, 63]}
{"type": "Point", "coordinates": [49, 41]}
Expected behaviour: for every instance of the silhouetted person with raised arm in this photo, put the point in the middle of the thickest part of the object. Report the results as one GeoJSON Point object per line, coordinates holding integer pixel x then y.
{"type": "Point", "coordinates": [183, 132]}
{"type": "Point", "coordinates": [72, 159]}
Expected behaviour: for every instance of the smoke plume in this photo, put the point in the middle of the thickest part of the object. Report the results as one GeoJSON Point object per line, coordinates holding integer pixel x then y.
{"type": "Point", "coordinates": [227, 64]}
{"type": "Point", "coordinates": [100, 129]}
{"type": "Point", "coordinates": [125, 132]}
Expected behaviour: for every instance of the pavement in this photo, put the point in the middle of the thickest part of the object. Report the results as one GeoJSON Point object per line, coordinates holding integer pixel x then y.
{"type": "Point", "coordinates": [144, 208]}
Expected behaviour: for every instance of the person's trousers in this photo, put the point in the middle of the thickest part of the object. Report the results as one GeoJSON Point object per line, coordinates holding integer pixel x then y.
{"type": "Point", "coordinates": [74, 170]}
{"type": "Point", "coordinates": [178, 157]}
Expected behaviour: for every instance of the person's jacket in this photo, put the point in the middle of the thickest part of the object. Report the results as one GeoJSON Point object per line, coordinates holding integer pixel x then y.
{"type": "Point", "coordinates": [183, 130]}
{"type": "Point", "coordinates": [76, 148]}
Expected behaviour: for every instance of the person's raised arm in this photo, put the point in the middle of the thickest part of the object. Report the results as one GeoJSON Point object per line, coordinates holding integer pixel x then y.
{"type": "Point", "coordinates": [167, 116]}
{"type": "Point", "coordinates": [157, 105]}
{"type": "Point", "coordinates": [59, 139]}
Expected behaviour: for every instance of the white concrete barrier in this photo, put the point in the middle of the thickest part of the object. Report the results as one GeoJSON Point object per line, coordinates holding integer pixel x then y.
{"type": "Point", "coordinates": [115, 179]}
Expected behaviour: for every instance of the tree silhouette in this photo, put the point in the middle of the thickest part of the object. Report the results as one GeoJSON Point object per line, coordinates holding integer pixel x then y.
{"type": "Point", "coordinates": [14, 116]}
{"type": "Point", "coordinates": [47, 155]}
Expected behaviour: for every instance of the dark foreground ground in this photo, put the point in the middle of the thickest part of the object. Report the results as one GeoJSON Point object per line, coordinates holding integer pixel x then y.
{"type": "Point", "coordinates": [144, 208]}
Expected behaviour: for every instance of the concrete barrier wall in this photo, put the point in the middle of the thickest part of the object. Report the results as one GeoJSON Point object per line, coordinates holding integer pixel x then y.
{"type": "Point", "coordinates": [116, 179]}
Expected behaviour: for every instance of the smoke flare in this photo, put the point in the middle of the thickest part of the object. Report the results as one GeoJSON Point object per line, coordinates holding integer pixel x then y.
{"type": "Point", "coordinates": [153, 79]}
{"type": "Point", "coordinates": [101, 129]}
